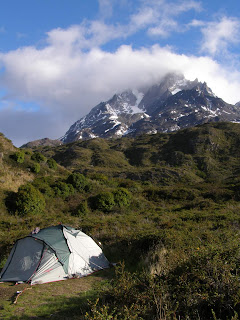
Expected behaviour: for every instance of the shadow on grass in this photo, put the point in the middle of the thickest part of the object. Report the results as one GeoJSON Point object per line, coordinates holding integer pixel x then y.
{"type": "Point", "coordinates": [56, 308]}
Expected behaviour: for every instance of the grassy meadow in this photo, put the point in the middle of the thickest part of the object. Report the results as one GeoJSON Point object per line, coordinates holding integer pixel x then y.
{"type": "Point", "coordinates": [165, 207]}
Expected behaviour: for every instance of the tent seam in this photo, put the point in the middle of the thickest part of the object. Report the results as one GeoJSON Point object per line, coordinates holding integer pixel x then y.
{"type": "Point", "coordinates": [42, 254]}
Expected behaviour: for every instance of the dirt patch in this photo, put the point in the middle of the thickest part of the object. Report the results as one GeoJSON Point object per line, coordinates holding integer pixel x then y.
{"type": "Point", "coordinates": [8, 290]}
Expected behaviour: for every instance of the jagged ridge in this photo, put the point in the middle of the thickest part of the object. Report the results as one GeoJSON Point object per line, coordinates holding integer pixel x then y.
{"type": "Point", "coordinates": [172, 104]}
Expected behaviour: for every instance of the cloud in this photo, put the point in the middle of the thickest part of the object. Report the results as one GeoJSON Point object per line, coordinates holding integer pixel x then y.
{"type": "Point", "coordinates": [196, 23]}
{"type": "Point", "coordinates": [71, 73]}
{"type": "Point", "coordinates": [160, 17]}
{"type": "Point", "coordinates": [219, 35]}
{"type": "Point", "coordinates": [68, 83]}
{"type": "Point", "coordinates": [105, 8]}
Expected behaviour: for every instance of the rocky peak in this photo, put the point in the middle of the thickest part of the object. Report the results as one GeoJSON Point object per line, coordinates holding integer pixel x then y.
{"type": "Point", "coordinates": [169, 105]}
{"type": "Point", "coordinates": [203, 89]}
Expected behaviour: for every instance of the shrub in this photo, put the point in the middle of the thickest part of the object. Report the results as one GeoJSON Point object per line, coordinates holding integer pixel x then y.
{"type": "Point", "coordinates": [133, 186]}
{"type": "Point", "coordinates": [19, 156]}
{"type": "Point", "coordinates": [170, 193]}
{"type": "Point", "coordinates": [63, 189]}
{"type": "Point", "coordinates": [36, 168]}
{"type": "Point", "coordinates": [206, 281]}
{"type": "Point", "coordinates": [99, 177]}
{"type": "Point", "coordinates": [29, 200]}
{"type": "Point", "coordinates": [43, 184]}
{"type": "Point", "coordinates": [28, 152]}
{"type": "Point", "coordinates": [122, 197]}
{"type": "Point", "coordinates": [52, 164]}
{"type": "Point", "coordinates": [82, 209]}
{"type": "Point", "coordinates": [37, 156]}
{"type": "Point", "coordinates": [103, 201]}
{"type": "Point", "coordinates": [78, 181]}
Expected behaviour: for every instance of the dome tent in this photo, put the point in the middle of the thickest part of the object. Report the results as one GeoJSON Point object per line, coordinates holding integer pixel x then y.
{"type": "Point", "coordinates": [52, 254]}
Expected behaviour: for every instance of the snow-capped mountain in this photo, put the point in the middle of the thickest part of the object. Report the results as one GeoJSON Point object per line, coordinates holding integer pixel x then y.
{"type": "Point", "coordinates": [172, 104]}
{"type": "Point", "coordinates": [108, 119]}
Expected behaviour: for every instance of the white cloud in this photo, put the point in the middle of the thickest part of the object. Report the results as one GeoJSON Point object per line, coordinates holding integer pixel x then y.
{"type": "Point", "coordinates": [69, 82]}
{"type": "Point", "coordinates": [160, 16]}
{"type": "Point", "coordinates": [219, 35]}
{"type": "Point", "coordinates": [196, 23]}
{"type": "Point", "coordinates": [71, 74]}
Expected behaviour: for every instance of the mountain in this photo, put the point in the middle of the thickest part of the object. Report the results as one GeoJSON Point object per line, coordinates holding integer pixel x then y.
{"type": "Point", "coordinates": [186, 108]}
{"type": "Point", "coordinates": [41, 143]}
{"type": "Point", "coordinates": [170, 105]}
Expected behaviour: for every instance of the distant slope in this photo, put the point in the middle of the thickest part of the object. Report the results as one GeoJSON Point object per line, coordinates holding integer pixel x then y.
{"type": "Point", "coordinates": [12, 175]}
{"type": "Point", "coordinates": [42, 142]}
{"type": "Point", "coordinates": [209, 151]}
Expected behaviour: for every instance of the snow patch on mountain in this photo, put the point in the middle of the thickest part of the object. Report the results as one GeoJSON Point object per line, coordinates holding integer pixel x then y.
{"type": "Point", "coordinates": [170, 105]}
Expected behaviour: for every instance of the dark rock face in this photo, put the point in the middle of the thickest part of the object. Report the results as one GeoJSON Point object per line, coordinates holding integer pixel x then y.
{"type": "Point", "coordinates": [172, 104]}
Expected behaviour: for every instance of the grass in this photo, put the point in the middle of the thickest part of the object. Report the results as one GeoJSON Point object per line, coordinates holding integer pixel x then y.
{"type": "Point", "coordinates": [56, 300]}
{"type": "Point", "coordinates": [182, 227]}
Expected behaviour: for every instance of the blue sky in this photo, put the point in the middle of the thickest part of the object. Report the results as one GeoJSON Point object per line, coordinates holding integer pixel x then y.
{"type": "Point", "coordinates": [58, 59]}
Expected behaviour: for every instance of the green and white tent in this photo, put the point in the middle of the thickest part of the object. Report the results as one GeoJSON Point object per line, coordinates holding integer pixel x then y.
{"type": "Point", "coordinates": [53, 254]}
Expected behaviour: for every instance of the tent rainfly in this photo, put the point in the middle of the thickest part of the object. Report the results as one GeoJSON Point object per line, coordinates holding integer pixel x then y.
{"type": "Point", "coordinates": [53, 254]}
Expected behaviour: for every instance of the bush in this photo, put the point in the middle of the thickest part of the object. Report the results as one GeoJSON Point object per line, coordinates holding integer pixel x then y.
{"type": "Point", "coordinates": [82, 209]}
{"type": "Point", "coordinates": [37, 156]}
{"type": "Point", "coordinates": [28, 152]}
{"type": "Point", "coordinates": [78, 181]}
{"type": "Point", "coordinates": [29, 200]}
{"type": "Point", "coordinates": [43, 184]}
{"type": "Point", "coordinates": [99, 177]}
{"type": "Point", "coordinates": [122, 197]}
{"type": "Point", "coordinates": [207, 282]}
{"type": "Point", "coordinates": [52, 164]}
{"type": "Point", "coordinates": [19, 156]}
{"type": "Point", "coordinates": [171, 193]}
{"type": "Point", "coordinates": [63, 189]}
{"type": "Point", "coordinates": [36, 168]}
{"type": "Point", "coordinates": [131, 185]}
{"type": "Point", "coordinates": [103, 201]}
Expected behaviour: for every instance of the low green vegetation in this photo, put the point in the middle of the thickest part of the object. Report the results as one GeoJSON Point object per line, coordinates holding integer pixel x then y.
{"type": "Point", "coordinates": [29, 200]}
{"type": "Point", "coordinates": [165, 206]}
{"type": "Point", "coordinates": [19, 156]}
{"type": "Point", "coordinates": [52, 164]}
{"type": "Point", "coordinates": [36, 168]}
{"type": "Point", "coordinates": [38, 157]}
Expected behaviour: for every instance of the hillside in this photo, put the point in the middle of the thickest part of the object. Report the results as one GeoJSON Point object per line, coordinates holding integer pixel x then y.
{"type": "Point", "coordinates": [207, 152]}
{"type": "Point", "coordinates": [166, 203]}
